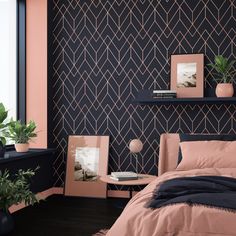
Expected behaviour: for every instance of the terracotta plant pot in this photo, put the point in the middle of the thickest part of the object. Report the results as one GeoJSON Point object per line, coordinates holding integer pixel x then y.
{"type": "Point", "coordinates": [224, 90]}
{"type": "Point", "coordinates": [22, 147]}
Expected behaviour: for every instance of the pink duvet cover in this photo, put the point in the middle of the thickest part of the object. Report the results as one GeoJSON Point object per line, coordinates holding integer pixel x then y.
{"type": "Point", "coordinates": [175, 220]}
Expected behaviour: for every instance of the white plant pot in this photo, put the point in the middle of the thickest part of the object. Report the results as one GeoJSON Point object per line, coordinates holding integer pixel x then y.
{"type": "Point", "coordinates": [22, 147]}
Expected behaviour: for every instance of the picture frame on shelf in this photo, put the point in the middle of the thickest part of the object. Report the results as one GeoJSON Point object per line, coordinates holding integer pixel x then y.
{"type": "Point", "coordinates": [87, 160]}
{"type": "Point", "coordinates": [187, 75]}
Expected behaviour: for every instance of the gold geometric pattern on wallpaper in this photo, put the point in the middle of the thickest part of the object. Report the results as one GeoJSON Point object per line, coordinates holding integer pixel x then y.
{"type": "Point", "coordinates": [105, 51]}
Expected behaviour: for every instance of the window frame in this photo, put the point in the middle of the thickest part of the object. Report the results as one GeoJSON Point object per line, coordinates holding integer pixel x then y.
{"type": "Point", "coordinates": [20, 63]}
{"type": "Point", "coordinates": [21, 60]}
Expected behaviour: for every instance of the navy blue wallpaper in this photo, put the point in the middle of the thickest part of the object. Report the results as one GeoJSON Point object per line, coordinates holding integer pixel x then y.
{"type": "Point", "coordinates": [102, 52]}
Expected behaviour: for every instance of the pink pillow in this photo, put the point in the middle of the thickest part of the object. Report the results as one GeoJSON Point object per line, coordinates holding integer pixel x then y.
{"type": "Point", "coordinates": [207, 154]}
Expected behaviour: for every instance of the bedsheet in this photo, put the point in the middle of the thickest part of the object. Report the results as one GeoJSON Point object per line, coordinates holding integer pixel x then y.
{"type": "Point", "coordinates": [175, 220]}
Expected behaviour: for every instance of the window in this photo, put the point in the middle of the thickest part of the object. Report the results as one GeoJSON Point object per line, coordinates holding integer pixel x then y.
{"type": "Point", "coordinates": [8, 55]}
{"type": "Point", "coordinates": [13, 57]}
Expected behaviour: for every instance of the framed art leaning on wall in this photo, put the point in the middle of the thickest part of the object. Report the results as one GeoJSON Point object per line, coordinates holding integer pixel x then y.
{"type": "Point", "coordinates": [87, 160]}
{"type": "Point", "coordinates": [187, 75]}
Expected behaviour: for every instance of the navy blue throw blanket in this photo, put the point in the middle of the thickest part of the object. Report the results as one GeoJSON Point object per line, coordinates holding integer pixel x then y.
{"type": "Point", "coordinates": [211, 191]}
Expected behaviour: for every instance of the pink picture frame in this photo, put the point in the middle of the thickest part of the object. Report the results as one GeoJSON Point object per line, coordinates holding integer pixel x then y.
{"type": "Point", "coordinates": [87, 160]}
{"type": "Point", "coordinates": [187, 75]}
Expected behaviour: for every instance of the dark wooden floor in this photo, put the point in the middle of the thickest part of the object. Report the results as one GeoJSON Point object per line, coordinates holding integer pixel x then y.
{"type": "Point", "coordinates": [66, 216]}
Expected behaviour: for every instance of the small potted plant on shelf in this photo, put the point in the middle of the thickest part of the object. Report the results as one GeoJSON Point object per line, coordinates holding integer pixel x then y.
{"type": "Point", "coordinates": [225, 73]}
{"type": "Point", "coordinates": [14, 190]}
{"type": "Point", "coordinates": [21, 134]}
{"type": "Point", "coordinates": [3, 126]}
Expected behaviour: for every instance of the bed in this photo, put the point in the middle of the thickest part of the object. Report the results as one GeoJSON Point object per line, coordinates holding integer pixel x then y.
{"type": "Point", "coordinates": [178, 219]}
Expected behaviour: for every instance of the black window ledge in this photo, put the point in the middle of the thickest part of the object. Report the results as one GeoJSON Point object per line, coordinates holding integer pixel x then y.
{"type": "Point", "coordinates": [16, 156]}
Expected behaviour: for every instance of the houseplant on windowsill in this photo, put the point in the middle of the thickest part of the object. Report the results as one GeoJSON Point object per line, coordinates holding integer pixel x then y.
{"type": "Point", "coordinates": [14, 190]}
{"type": "Point", "coordinates": [3, 126]}
{"type": "Point", "coordinates": [21, 134]}
{"type": "Point", "coordinates": [225, 73]}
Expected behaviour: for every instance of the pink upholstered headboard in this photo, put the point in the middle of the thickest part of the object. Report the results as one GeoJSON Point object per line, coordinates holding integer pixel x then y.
{"type": "Point", "coordinates": [168, 155]}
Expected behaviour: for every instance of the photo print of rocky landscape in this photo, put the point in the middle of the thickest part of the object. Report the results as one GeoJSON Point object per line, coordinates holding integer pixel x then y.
{"type": "Point", "coordinates": [186, 75]}
{"type": "Point", "coordinates": [86, 164]}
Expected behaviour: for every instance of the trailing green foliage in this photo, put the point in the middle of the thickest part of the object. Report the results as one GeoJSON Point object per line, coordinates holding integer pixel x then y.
{"type": "Point", "coordinates": [3, 116]}
{"type": "Point", "coordinates": [224, 68]}
{"type": "Point", "coordinates": [16, 190]}
{"type": "Point", "coordinates": [21, 133]}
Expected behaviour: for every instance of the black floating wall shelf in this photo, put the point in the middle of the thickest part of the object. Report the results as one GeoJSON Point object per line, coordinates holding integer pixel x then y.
{"type": "Point", "coordinates": [144, 97]}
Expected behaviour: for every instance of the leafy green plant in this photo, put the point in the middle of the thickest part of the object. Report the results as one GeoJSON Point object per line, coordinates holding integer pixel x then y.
{"type": "Point", "coordinates": [21, 133]}
{"type": "Point", "coordinates": [16, 190]}
{"type": "Point", "coordinates": [3, 116]}
{"type": "Point", "coordinates": [224, 68]}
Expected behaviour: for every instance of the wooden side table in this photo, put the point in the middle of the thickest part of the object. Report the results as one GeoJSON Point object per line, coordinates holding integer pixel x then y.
{"type": "Point", "coordinates": [142, 180]}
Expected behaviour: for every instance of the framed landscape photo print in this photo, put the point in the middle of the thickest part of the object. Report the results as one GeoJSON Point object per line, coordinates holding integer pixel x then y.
{"type": "Point", "coordinates": [187, 75]}
{"type": "Point", "coordinates": [87, 160]}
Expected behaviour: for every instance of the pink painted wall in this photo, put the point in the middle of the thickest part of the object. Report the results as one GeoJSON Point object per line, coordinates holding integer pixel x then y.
{"type": "Point", "coordinates": [36, 68]}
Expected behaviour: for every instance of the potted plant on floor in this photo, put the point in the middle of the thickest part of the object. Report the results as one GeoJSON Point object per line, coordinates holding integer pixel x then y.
{"type": "Point", "coordinates": [14, 190]}
{"type": "Point", "coordinates": [21, 134]}
{"type": "Point", "coordinates": [225, 73]}
{"type": "Point", "coordinates": [3, 116]}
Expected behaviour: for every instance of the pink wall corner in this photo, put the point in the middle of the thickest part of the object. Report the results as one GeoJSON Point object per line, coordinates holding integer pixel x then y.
{"type": "Point", "coordinates": [36, 68]}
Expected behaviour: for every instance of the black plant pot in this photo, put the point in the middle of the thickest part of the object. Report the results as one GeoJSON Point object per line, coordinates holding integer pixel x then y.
{"type": "Point", "coordinates": [6, 222]}
{"type": "Point", "coordinates": [2, 150]}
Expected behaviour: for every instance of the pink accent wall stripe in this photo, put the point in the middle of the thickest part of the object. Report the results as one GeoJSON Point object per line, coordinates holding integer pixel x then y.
{"type": "Point", "coordinates": [36, 68]}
